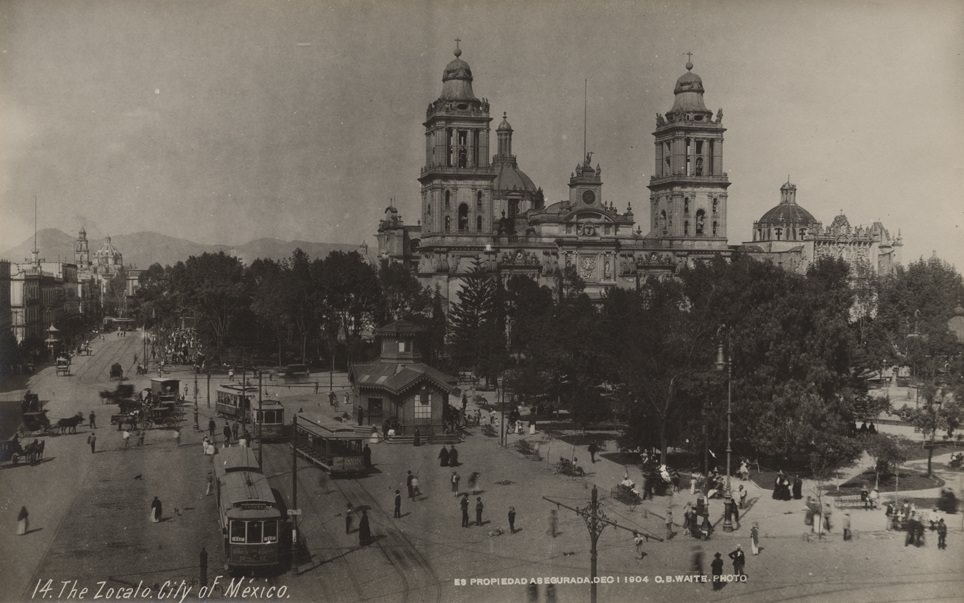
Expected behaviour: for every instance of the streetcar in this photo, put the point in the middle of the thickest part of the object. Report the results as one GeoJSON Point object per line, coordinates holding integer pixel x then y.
{"type": "Point", "coordinates": [269, 418]}
{"type": "Point", "coordinates": [335, 447]}
{"type": "Point", "coordinates": [252, 516]}
{"type": "Point", "coordinates": [235, 458]}
{"type": "Point", "coordinates": [234, 401]}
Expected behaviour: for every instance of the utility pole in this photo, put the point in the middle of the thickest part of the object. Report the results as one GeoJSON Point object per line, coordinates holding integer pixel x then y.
{"type": "Point", "coordinates": [209, 388]}
{"type": "Point", "coordinates": [260, 421]}
{"type": "Point", "coordinates": [596, 522]}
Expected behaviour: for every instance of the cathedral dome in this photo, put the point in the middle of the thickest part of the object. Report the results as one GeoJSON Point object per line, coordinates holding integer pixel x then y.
{"type": "Point", "coordinates": [108, 251]}
{"type": "Point", "coordinates": [787, 213]}
{"type": "Point", "coordinates": [457, 79]}
{"type": "Point", "coordinates": [689, 93]}
{"type": "Point", "coordinates": [511, 178]}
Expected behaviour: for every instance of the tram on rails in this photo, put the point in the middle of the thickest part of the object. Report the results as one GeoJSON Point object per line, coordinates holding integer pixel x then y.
{"type": "Point", "coordinates": [234, 401]}
{"type": "Point", "coordinates": [252, 514]}
{"type": "Point", "coordinates": [269, 418]}
{"type": "Point", "coordinates": [335, 447]}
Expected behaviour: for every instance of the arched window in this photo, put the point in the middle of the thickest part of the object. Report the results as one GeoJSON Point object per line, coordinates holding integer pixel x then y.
{"type": "Point", "coordinates": [463, 217]}
{"type": "Point", "coordinates": [478, 223]}
{"type": "Point", "coordinates": [716, 206]}
{"type": "Point", "coordinates": [448, 198]}
{"type": "Point", "coordinates": [699, 166]}
{"type": "Point", "coordinates": [478, 200]}
{"type": "Point", "coordinates": [686, 206]}
{"type": "Point", "coordinates": [662, 221]}
{"type": "Point", "coordinates": [700, 219]}
{"type": "Point", "coordinates": [448, 223]}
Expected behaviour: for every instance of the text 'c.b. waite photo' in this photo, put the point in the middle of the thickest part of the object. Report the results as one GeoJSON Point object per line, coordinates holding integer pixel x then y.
{"type": "Point", "coordinates": [451, 301]}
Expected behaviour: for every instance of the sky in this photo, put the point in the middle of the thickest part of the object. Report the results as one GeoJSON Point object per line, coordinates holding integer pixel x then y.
{"type": "Point", "coordinates": [226, 121]}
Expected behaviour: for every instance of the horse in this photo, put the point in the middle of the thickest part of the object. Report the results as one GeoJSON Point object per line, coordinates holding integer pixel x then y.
{"type": "Point", "coordinates": [69, 425]}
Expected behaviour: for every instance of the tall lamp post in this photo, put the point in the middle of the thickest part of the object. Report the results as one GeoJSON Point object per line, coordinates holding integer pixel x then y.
{"type": "Point", "coordinates": [727, 363]}
{"type": "Point", "coordinates": [502, 434]}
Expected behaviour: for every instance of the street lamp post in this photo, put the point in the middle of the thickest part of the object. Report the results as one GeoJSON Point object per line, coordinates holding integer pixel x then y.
{"type": "Point", "coordinates": [502, 433]}
{"type": "Point", "coordinates": [728, 364]}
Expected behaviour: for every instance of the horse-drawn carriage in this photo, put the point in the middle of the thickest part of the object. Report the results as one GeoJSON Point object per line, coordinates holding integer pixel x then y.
{"type": "Point", "coordinates": [116, 371]}
{"type": "Point", "coordinates": [13, 451]}
{"type": "Point", "coordinates": [63, 366]}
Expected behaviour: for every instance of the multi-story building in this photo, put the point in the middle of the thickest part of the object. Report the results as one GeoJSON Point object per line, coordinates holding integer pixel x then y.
{"type": "Point", "coordinates": [480, 210]}
{"type": "Point", "coordinates": [791, 237]}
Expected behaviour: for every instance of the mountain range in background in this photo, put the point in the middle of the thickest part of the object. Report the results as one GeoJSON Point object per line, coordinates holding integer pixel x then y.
{"type": "Point", "coordinates": [142, 249]}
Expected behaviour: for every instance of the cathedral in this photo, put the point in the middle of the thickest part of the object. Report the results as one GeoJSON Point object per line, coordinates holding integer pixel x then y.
{"type": "Point", "coordinates": [478, 208]}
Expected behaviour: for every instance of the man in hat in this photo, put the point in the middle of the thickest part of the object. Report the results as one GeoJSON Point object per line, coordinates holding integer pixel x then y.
{"type": "Point", "coordinates": [716, 566]}
{"type": "Point", "coordinates": [739, 560]}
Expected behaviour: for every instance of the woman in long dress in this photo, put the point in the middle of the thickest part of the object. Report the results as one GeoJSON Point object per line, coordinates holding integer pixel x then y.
{"type": "Point", "coordinates": [755, 539]}
{"type": "Point", "coordinates": [156, 510]}
{"type": "Point", "coordinates": [364, 531]}
{"type": "Point", "coordinates": [23, 523]}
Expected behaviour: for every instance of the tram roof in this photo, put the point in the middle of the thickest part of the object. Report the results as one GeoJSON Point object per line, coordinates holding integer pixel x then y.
{"type": "Point", "coordinates": [235, 458]}
{"type": "Point", "coordinates": [246, 487]}
{"type": "Point", "coordinates": [327, 428]}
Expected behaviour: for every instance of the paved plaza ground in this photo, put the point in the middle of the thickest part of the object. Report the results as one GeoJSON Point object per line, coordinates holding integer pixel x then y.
{"type": "Point", "coordinates": [89, 521]}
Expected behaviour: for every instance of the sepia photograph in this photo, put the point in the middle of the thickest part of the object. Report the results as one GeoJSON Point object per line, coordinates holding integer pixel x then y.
{"type": "Point", "coordinates": [458, 301]}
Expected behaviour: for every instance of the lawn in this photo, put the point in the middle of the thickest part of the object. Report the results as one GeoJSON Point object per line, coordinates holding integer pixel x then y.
{"type": "Point", "coordinates": [909, 480]}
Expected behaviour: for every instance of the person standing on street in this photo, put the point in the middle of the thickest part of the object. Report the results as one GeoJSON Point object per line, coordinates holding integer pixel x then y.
{"type": "Point", "coordinates": [669, 523]}
{"type": "Point", "coordinates": [156, 510]}
{"type": "Point", "coordinates": [755, 539]}
{"type": "Point", "coordinates": [93, 420]}
{"type": "Point", "coordinates": [227, 434]}
{"type": "Point", "coordinates": [593, 449]}
{"type": "Point", "coordinates": [941, 534]}
{"type": "Point", "coordinates": [364, 530]}
{"type": "Point", "coordinates": [211, 427]}
{"type": "Point", "coordinates": [512, 520]}
{"type": "Point", "coordinates": [845, 524]}
{"type": "Point", "coordinates": [92, 440]}
{"type": "Point", "coordinates": [398, 504]}
{"type": "Point", "coordinates": [478, 510]}
{"type": "Point", "coordinates": [443, 457]}
{"type": "Point", "coordinates": [234, 430]}
{"type": "Point", "coordinates": [454, 480]}
{"type": "Point", "coordinates": [408, 483]}
{"type": "Point", "coordinates": [716, 567]}
{"type": "Point", "coordinates": [739, 560]}
{"type": "Point", "coordinates": [23, 521]}
{"type": "Point", "coordinates": [464, 503]}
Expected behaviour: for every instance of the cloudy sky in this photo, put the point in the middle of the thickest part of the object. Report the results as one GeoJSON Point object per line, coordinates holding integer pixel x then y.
{"type": "Point", "coordinates": [224, 121]}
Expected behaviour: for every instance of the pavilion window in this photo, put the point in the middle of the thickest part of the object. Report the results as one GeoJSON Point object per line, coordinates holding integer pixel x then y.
{"type": "Point", "coordinates": [423, 408]}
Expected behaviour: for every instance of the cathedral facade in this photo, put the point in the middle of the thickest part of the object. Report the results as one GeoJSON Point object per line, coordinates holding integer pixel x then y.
{"type": "Point", "coordinates": [478, 208]}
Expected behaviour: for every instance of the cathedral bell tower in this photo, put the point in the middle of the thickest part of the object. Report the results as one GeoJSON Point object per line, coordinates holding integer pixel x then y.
{"type": "Point", "coordinates": [457, 177]}
{"type": "Point", "coordinates": [688, 187]}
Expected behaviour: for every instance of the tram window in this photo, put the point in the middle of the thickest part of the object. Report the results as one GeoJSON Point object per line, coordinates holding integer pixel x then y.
{"type": "Point", "coordinates": [237, 531]}
{"type": "Point", "coordinates": [271, 531]}
{"type": "Point", "coordinates": [254, 531]}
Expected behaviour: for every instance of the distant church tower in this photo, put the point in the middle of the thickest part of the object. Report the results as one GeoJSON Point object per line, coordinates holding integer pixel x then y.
{"type": "Point", "coordinates": [82, 250]}
{"type": "Point", "coordinates": [688, 186]}
{"type": "Point", "coordinates": [457, 179]}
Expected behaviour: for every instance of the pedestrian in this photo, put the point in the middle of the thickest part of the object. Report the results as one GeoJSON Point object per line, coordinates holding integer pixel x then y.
{"type": "Point", "coordinates": [227, 434]}
{"type": "Point", "coordinates": [443, 457]}
{"type": "Point", "coordinates": [739, 560]}
{"type": "Point", "coordinates": [126, 436]}
{"type": "Point", "coordinates": [638, 542]}
{"type": "Point", "coordinates": [349, 518]}
{"type": "Point", "coordinates": [735, 509]}
{"type": "Point", "coordinates": [211, 427]}
{"type": "Point", "coordinates": [669, 523]}
{"type": "Point", "coordinates": [408, 483]}
{"type": "Point", "coordinates": [741, 495]}
{"type": "Point", "coordinates": [140, 437]}
{"type": "Point", "coordinates": [874, 497]}
{"type": "Point", "coordinates": [93, 420]}
{"type": "Point", "coordinates": [367, 457]}
{"type": "Point", "coordinates": [473, 481]}
{"type": "Point", "coordinates": [416, 491]}
{"type": "Point", "coordinates": [156, 510]}
{"type": "Point", "coordinates": [364, 530]}
{"type": "Point", "coordinates": [941, 534]}
{"type": "Point", "coordinates": [696, 560]}
{"type": "Point", "coordinates": [454, 480]}
{"type": "Point", "coordinates": [332, 398]}
{"type": "Point", "coordinates": [512, 520]}
{"type": "Point", "coordinates": [234, 430]}
{"type": "Point", "coordinates": [716, 566]}
{"type": "Point", "coordinates": [453, 456]}
{"type": "Point", "coordinates": [687, 516]}
{"type": "Point", "coordinates": [797, 487]}
{"type": "Point", "coordinates": [593, 449]}
{"type": "Point", "coordinates": [92, 440]}
{"type": "Point", "coordinates": [417, 441]}
{"type": "Point", "coordinates": [478, 510]}
{"type": "Point", "coordinates": [553, 523]}
{"type": "Point", "coordinates": [23, 521]}
{"type": "Point", "coordinates": [744, 470]}
{"type": "Point", "coordinates": [398, 504]}
{"type": "Point", "coordinates": [464, 503]}
{"type": "Point", "coordinates": [755, 539]}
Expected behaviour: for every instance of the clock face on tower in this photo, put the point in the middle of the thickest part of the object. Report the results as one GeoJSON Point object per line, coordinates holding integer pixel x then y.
{"type": "Point", "coordinates": [588, 197]}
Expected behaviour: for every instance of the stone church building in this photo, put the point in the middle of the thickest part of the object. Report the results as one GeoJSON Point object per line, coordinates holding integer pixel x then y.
{"type": "Point", "coordinates": [482, 207]}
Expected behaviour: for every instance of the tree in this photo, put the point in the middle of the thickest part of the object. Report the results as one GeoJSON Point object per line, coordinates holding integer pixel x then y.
{"type": "Point", "coordinates": [402, 296]}
{"type": "Point", "coordinates": [472, 318]}
{"type": "Point", "coordinates": [886, 451]}
{"type": "Point", "coordinates": [212, 287]}
{"type": "Point", "coordinates": [350, 296]}
{"type": "Point", "coordinates": [267, 277]}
